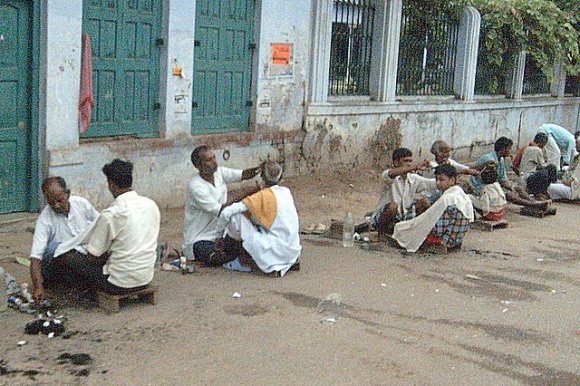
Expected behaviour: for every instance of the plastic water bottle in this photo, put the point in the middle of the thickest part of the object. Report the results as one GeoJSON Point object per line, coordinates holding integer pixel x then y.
{"type": "Point", "coordinates": [348, 231]}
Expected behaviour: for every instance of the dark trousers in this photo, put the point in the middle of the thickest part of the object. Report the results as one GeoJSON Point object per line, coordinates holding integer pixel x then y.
{"type": "Point", "coordinates": [73, 270]}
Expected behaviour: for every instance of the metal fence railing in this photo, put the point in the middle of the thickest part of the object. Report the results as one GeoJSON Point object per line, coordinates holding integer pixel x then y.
{"type": "Point", "coordinates": [427, 51]}
{"type": "Point", "coordinates": [351, 47]}
{"type": "Point", "coordinates": [535, 82]}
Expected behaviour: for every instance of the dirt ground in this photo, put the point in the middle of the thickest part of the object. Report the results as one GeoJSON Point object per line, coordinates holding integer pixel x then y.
{"type": "Point", "coordinates": [504, 310]}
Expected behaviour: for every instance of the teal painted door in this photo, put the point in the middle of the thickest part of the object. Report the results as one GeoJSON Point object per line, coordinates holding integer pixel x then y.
{"type": "Point", "coordinates": [222, 65]}
{"type": "Point", "coordinates": [15, 117]}
{"type": "Point", "coordinates": [125, 65]}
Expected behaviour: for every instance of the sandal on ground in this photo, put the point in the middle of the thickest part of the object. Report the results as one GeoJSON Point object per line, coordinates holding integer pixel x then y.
{"type": "Point", "coordinates": [235, 265]}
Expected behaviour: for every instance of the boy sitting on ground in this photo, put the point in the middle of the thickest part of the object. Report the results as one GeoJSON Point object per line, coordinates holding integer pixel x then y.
{"type": "Point", "coordinates": [401, 184]}
{"type": "Point", "coordinates": [491, 202]}
{"type": "Point", "coordinates": [445, 222]}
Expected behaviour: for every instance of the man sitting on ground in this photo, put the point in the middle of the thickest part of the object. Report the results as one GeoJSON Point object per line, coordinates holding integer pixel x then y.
{"type": "Point", "coordinates": [442, 151]}
{"type": "Point", "coordinates": [445, 222]}
{"type": "Point", "coordinates": [401, 184]}
{"type": "Point", "coordinates": [207, 195]}
{"type": "Point", "coordinates": [533, 168]}
{"type": "Point", "coordinates": [561, 144]}
{"type": "Point", "coordinates": [122, 245]}
{"type": "Point", "coordinates": [64, 218]}
{"type": "Point", "coordinates": [514, 194]}
{"type": "Point", "coordinates": [569, 188]}
{"type": "Point", "coordinates": [491, 201]}
{"type": "Point", "coordinates": [266, 226]}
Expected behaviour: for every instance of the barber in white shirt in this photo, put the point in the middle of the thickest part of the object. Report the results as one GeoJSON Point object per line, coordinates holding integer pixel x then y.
{"type": "Point", "coordinates": [64, 218]}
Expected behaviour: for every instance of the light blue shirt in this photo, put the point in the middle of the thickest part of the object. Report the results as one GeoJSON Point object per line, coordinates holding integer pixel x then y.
{"type": "Point", "coordinates": [501, 170]}
{"type": "Point", "coordinates": [563, 138]}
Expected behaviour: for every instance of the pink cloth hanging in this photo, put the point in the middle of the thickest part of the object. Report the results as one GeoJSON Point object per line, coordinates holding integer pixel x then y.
{"type": "Point", "coordinates": [86, 101]}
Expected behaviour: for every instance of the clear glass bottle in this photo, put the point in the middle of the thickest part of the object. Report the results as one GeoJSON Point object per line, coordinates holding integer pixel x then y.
{"type": "Point", "coordinates": [348, 231]}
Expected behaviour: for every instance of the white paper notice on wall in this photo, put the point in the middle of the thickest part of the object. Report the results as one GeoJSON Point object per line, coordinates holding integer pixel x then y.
{"type": "Point", "coordinates": [180, 106]}
{"type": "Point", "coordinates": [282, 61]}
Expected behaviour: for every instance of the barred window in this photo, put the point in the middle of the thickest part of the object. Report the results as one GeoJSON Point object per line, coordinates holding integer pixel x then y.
{"type": "Point", "coordinates": [572, 85]}
{"type": "Point", "coordinates": [427, 50]}
{"type": "Point", "coordinates": [351, 45]}
{"type": "Point", "coordinates": [535, 82]}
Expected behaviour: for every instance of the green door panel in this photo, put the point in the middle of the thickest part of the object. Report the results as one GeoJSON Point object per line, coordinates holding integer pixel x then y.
{"type": "Point", "coordinates": [125, 65]}
{"type": "Point", "coordinates": [15, 96]}
{"type": "Point", "coordinates": [222, 65]}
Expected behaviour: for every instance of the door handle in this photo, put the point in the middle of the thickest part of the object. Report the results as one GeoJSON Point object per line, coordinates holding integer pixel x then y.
{"type": "Point", "coordinates": [21, 125]}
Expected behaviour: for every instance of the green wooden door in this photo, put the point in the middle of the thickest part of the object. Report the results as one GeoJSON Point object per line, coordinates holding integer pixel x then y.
{"type": "Point", "coordinates": [125, 65]}
{"type": "Point", "coordinates": [222, 65]}
{"type": "Point", "coordinates": [15, 96]}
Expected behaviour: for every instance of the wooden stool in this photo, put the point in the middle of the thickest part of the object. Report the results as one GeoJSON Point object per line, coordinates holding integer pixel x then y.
{"type": "Point", "coordinates": [111, 303]}
{"type": "Point", "coordinates": [535, 212]}
{"type": "Point", "coordinates": [490, 225]}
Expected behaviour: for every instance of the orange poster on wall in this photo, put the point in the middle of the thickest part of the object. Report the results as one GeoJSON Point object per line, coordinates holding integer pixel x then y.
{"type": "Point", "coordinates": [281, 54]}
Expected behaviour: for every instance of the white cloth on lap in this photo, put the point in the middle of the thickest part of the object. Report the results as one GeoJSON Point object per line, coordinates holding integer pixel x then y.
{"type": "Point", "coordinates": [410, 234]}
{"type": "Point", "coordinates": [52, 226]}
{"type": "Point", "coordinates": [276, 249]}
{"type": "Point", "coordinates": [491, 199]}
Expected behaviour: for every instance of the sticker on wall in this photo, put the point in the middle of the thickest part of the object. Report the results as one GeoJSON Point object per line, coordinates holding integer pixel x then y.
{"type": "Point", "coordinates": [281, 63]}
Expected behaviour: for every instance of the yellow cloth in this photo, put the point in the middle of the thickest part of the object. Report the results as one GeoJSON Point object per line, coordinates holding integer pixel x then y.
{"type": "Point", "coordinates": [263, 207]}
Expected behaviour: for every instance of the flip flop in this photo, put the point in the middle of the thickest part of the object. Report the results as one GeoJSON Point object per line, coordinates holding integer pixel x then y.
{"type": "Point", "coordinates": [236, 266]}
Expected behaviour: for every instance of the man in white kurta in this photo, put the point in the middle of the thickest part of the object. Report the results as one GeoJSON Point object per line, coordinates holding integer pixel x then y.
{"type": "Point", "coordinates": [267, 225]}
{"type": "Point", "coordinates": [61, 221]}
{"type": "Point", "coordinates": [122, 245]}
{"type": "Point", "coordinates": [206, 196]}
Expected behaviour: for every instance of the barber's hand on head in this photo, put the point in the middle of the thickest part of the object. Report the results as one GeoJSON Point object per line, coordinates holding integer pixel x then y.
{"type": "Point", "coordinates": [472, 172]}
{"type": "Point", "coordinates": [425, 165]}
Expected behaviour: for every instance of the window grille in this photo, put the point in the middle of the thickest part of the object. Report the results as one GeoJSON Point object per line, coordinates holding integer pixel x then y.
{"type": "Point", "coordinates": [351, 45]}
{"type": "Point", "coordinates": [535, 82]}
{"type": "Point", "coordinates": [427, 51]}
{"type": "Point", "coordinates": [572, 85]}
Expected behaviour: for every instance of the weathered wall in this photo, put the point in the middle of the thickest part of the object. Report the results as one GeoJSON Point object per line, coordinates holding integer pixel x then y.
{"type": "Point", "coordinates": [280, 97]}
{"type": "Point", "coordinates": [337, 135]}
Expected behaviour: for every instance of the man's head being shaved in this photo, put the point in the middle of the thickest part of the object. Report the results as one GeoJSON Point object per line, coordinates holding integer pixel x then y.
{"type": "Point", "coordinates": [272, 173]}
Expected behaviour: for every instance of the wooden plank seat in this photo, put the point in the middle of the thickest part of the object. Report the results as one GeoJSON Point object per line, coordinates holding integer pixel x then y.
{"type": "Point", "coordinates": [112, 303]}
{"type": "Point", "coordinates": [535, 212]}
{"type": "Point", "coordinates": [490, 225]}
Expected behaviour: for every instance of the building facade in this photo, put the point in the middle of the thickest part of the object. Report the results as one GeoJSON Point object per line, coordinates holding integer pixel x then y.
{"type": "Point", "coordinates": [315, 84]}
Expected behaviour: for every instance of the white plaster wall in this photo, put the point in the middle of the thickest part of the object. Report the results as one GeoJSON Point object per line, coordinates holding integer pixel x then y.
{"type": "Point", "coordinates": [176, 91]}
{"type": "Point", "coordinates": [63, 26]}
{"type": "Point", "coordinates": [280, 100]}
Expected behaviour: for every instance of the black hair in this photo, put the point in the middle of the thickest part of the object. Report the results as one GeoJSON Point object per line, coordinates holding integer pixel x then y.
{"type": "Point", "coordinates": [541, 138]}
{"type": "Point", "coordinates": [120, 172]}
{"type": "Point", "coordinates": [196, 154]}
{"type": "Point", "coordinates": [489, 175]}
{"type": "Point", "coordinates": [56, 179]}
{"type": "Point", "coordinates": [446, 169]}
{"type": "Point", "coordinates": [401, 152]}
{"type": "Point", "coordinates": [502, 143]}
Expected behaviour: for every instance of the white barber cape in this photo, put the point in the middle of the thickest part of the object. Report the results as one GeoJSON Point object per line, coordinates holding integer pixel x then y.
{"type": "Point", "coordinates": [410, 234]}
{"type": "Point", "coordinates": [272, 250]}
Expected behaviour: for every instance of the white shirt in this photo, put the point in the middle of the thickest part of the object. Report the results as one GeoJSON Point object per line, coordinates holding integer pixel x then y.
{"type": "Point", "coordinates": [532, 159]}
{"type": "Point", "coordinates": [128, 229]}
{"type": "Point", "coordinates": [276, 249]}
{"type": "Point", "coordinates": [403, 192]}
{"type": "Point", "coordinates": [51, 226]}
{"type": "Point", "coordinates": [431, 172]}
{"type": "Point", "coordinates": [202, 207]}
{"type": "Point", "coordinates": [491, 199]}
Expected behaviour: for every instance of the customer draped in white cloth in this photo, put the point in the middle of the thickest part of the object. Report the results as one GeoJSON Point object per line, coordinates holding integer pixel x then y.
{"type": "Point", "coordinates": [560, 146]}
{"type": "Point", "coordinates": [446, 221]}
{"type": "Point", "coordinates": [569, 187]}
{"type": "Point", "coordinates": [267, 225]}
